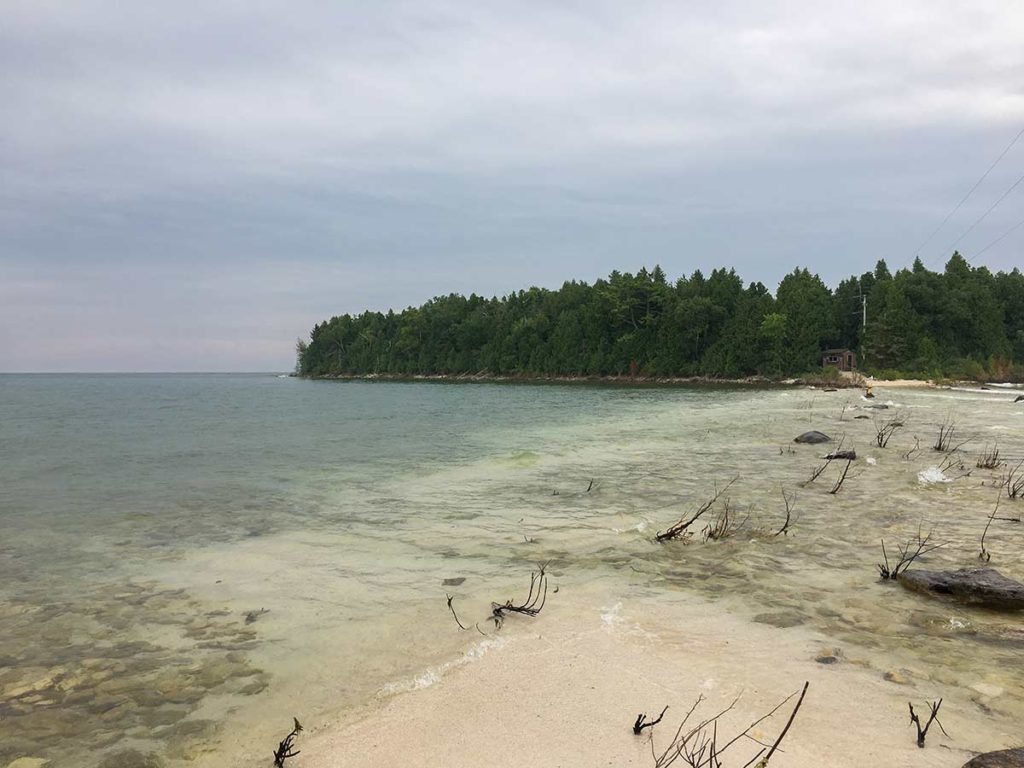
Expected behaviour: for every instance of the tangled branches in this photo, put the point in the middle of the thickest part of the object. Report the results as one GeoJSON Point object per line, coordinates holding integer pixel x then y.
{"type": "Point", "coordinates": [932, 718]}
{"type": "Point", "coordinates": [285, 748]}
{"type": "Point", "coordinates": [680, 530]}
{"type": "Point", "coordinates": [989, 459]}
{"type": "Point", "coordinates": [1013, 482]}
{"type": "Point", "coordinates": [985, 554]}
{"type": "Point", "coordinates": [885, 431]}
{"type": "Point", "coordinates": [699, 746]}
{"type": "Point", "coordinates": [725, 526]}
{"type": "Point", "coordinates": [533, 604]}
{"type": "Point", "coordinates": [909, 552]}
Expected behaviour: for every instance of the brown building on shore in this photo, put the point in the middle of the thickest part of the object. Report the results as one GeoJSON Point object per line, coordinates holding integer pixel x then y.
{"type": "Point", "coordinates": [843, 359]}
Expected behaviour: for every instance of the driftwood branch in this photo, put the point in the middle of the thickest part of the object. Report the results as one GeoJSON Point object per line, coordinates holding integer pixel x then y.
{"type": "Point", "coordinates": [286, 748]}
{"type": "Point", "coordinates": [533, 604]}
{"type": "Point", "coordinates": [642, 722]}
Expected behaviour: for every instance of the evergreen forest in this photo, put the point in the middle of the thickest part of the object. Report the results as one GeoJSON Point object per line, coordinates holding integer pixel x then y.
{"type": "Point", "coordinates": [963, 322]}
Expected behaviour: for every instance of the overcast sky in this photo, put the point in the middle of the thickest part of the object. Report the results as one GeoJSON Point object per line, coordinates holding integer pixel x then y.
{"type": "Point", "coordinates": [191, 185]}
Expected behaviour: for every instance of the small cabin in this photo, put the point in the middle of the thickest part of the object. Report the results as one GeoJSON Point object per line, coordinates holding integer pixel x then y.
{"type": "Point", "coordinates": [843, 359]}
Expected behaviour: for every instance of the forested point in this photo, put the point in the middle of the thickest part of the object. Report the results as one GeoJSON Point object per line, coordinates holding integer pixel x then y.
{"type": "Point", "coordinates": [963, 322]}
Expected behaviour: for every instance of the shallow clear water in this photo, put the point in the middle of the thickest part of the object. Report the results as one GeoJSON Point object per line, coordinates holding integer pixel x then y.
{"type": "Point", "coordinates": [143, 517]}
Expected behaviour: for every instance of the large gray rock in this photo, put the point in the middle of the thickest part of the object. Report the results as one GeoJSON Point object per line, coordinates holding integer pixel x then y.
{"type": "Point", "coordinates": [813, 437]}
{"type": "Point", "coordinates": [976, 586]}
{"type": "Point", "coordinates": [1004, 758]}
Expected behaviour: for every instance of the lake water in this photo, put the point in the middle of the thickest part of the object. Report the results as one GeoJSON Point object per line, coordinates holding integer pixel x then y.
{"type": "Point", "coordinates": [189, 561]}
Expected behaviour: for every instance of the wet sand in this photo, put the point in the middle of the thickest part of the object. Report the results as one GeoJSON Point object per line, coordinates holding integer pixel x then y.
{"type": "Point", "coordinates": [564, 688]}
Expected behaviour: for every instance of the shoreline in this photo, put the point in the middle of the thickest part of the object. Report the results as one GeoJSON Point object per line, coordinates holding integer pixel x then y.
{"type": "Point", "coordinates": [853, 381]}
{"type": "Point", "coordinates": [564, 689]}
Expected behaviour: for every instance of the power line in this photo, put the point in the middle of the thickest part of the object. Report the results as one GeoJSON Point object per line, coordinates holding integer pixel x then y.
{"type": "Point", "coordinates": [981, 218]}
{"type": "Point", "coordinates": [1002, 237]}
{"type": "Point", "coordinates": [970, 192]}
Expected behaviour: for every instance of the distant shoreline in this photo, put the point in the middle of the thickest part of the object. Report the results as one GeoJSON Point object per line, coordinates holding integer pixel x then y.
{"type": "Point", "coordinates": [855, 381]}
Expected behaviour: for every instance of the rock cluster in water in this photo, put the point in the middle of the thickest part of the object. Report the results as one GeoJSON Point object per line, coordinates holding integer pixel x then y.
{"type": "Point", "coordinates": [129, 663]}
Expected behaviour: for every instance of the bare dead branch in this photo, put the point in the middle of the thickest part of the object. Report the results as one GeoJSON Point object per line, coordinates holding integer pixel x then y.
{"type": "Point", "coordinates": [680, 529]}
{"type": "Point", "coordinates": [455, 615]}
{"type": "Point", "coordinates": [909, 552]}
{"type": "Point", "coordinates": [842, 477]}
{"type": "Point", "coordinates": [933, 717]}
{"type": "Point", "coordinates": [790, 502]}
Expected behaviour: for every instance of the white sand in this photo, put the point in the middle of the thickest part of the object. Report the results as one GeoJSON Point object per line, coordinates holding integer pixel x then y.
{"type": "Point", "coordinates": [563, 691]}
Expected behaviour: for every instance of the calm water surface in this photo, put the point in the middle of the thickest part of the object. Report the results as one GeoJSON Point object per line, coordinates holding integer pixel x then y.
{"type": "Point", "coordinates": [187, 561]}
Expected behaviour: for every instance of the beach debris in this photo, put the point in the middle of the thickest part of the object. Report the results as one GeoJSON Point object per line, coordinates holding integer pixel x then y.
{"type": "Point", "coordinates": [812, 437]}
{"type": "Point", "coordinates": [251, 616]}
{"type": "Point", "coordinates": [700, 746]}
{"type": "Point", "coordinates": [862, 416]}
{"type": "Point", "coordinates": [933, 717]}
{"type": "Point", "coordinates": [909, 552]}
{"type": "Point", "coordinates": [790, 502]}
{"type": "Point", "coordinates": [533, 604]}
{"type": "Point", "coordinates": [989, 459]}
{"type": "Point", "coordinates": [642, 722]}
{"type": "Point", "coordinates": [1018, 399]}
{"type": "Point", "coordinates": [454, 614]}
{"type": "Point", "coordinates": [984, 587]}
{"type": "Point", "coordinates": [1003, 758]}
{"type": "Point", "coordinates": [885, 431]}
{"type": "Point", "coordinates": [590, 487]}
{"type": "Point", "coordinates": [681, 529]}
{"type": "Point", "coordinates": [286, 748]}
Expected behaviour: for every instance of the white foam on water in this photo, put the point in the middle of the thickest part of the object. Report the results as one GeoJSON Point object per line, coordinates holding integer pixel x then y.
{"type": "Point", "coordinates": [931, 476]}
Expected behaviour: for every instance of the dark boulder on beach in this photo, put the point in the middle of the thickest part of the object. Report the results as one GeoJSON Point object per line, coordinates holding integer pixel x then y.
{"type": "Point", "coordinates": [813, 437]}
{"type": "Point", "coordinates": [1004, 758]}
{"type": "Point", "coordinates": [986, 587]}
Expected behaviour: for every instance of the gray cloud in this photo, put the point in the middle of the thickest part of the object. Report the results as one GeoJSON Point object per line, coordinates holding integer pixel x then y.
{"type": "Point", "coordinates": [192, 185]}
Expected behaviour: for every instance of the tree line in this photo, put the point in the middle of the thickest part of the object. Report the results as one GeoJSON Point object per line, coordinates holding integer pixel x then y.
{"type": "Point", "coordinates": [964, 321]}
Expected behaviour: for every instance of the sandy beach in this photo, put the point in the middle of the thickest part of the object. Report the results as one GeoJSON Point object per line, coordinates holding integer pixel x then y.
{"type": "Point", "coordinates": [563, 690]}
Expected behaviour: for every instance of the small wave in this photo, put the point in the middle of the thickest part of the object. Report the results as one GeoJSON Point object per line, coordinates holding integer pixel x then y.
{"type": "Point", "coordinates": [931, 476]}
{"type": "Point", "coordinates": [872, 460]}
{"type": "Point", "coordinates": [610, 615]}
{"type": "Point", "coordinates": [434, 675]}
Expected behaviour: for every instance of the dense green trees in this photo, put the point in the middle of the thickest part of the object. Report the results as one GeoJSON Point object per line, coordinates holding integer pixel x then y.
{"type": "Point", "coordinates": [964, 320]}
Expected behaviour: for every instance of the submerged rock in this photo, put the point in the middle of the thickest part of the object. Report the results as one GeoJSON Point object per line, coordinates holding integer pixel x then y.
{"type": "Point", "coordinates": [131, 758]}
{"type": "Point", "coordinates": [781, 619]}
{"type": "Point", "coordinates": [1004, 758]}
{"type": "Point", "coordinates": [849, 455]}
{"type": "Point", "coordinates": [977, 586]}
{"type": "Point", "coordinates": [813, 437]}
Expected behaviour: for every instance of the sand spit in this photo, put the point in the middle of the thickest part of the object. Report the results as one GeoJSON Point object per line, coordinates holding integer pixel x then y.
{"type": "Point", "coordinates": [564, 690]}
